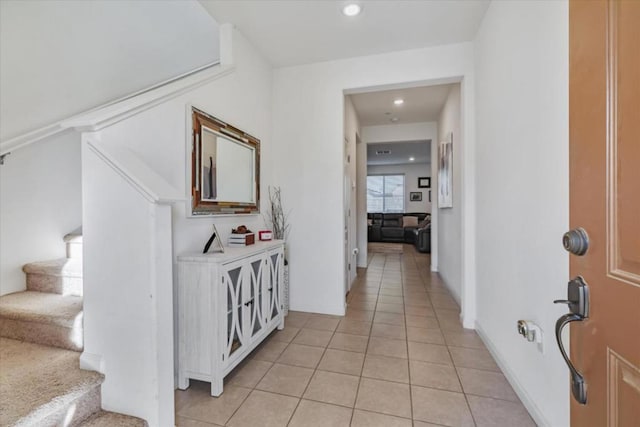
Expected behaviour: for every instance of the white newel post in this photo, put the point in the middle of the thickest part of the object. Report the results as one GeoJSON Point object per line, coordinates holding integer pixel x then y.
{"type": "Point", "coordinates": [128, 280]}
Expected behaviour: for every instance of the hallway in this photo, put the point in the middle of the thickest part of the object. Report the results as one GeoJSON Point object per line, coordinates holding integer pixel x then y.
{"type": "Point", "coordinates": [399, 357]}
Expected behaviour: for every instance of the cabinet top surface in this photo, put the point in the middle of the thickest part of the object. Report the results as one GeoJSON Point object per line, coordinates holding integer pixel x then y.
{"type": "Point", "coordinates": [230, 253]}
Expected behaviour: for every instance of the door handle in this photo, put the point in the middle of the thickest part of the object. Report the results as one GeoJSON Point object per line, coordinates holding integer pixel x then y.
{"type": "Point", "coordinates": [578, 386]}
{"type": "Point", "coordinates": [577, 297]}
{"type": "Point", "coordinates": [578, 302]}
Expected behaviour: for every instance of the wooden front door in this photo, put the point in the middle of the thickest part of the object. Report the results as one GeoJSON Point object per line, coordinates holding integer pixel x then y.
{"type": "Point", "coordinates": [604, 94]}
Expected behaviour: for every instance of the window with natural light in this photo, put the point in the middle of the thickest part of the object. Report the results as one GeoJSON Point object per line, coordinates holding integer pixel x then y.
{"type": "Point", "coordinates": [385, 193]}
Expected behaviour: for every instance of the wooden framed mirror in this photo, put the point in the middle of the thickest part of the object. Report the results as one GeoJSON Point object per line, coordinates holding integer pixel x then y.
{"type": "Point", "coordinates": [225, 168]}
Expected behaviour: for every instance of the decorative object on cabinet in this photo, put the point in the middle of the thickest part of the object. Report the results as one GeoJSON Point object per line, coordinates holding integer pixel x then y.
{"type": "Point", "coordinates": [227, 304]}
{"type": "Point", "coordinates": [277, 218]}
{"type": "Point", "coordinates": [214, 237]}
{"type": "Point", "coordinates": [241, 236]}
{"type": "Point", "coordinates": [424, 182]}
{"type": "Point", "coordinates": [242, 239]}
{"type": "Point", "coordinates": [265, 235]}
{"type": "Point", "coordinates": [224, 168]}
{"type": "Point", "coordinates": [445, 172]}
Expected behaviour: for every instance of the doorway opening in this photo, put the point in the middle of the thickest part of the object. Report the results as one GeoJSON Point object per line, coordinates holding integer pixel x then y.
{"type": "Point", "coordinates": [410, 140]}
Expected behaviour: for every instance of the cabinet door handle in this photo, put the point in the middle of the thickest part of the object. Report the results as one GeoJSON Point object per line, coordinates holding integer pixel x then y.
{"type": "Point", "coordinates": [270, 289]}
{"type": "Point", "coordinates": [248, 303]}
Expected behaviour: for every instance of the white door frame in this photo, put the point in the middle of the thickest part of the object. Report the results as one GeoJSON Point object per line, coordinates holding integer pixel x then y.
{"type": "Point", "coordinates": [467, 190]}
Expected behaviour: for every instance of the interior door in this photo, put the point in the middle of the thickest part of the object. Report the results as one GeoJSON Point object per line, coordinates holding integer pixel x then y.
{"type": "Point", "coordinates": [604, 89]}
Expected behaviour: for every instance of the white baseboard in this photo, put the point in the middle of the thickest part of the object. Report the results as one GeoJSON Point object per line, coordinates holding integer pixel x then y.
{"type": "Point", "coordinates": [434, 268]}
{"type": "Point", "coordinates": [92, 362]}
{"type": "Point", "coordinates": [527, 401]}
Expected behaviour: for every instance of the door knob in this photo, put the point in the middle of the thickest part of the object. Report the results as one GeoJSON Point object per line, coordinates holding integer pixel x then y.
{"type": "Point", "coordinates": [576, 241]}
{"type": "Point", "coordinates": [578, 302]}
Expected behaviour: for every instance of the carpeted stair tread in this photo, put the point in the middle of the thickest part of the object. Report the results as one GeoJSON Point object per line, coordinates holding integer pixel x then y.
{"type": "Point", "coordinates": [63, 267]}
{"type": "Point", "coordinates": [112, 419]}
{"type": "Point", "coordinates": [38, 383]}
{"type": "Point", "coordinates": [42, 307]}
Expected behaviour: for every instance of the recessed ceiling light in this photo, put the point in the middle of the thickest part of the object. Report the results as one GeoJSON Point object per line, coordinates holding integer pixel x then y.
{"type": "Point", "coordinates": [399, 101]}
{"type": "Point", "coordinates": [411, 159]}
{"type": "Point", "coordinates": [351, 9]}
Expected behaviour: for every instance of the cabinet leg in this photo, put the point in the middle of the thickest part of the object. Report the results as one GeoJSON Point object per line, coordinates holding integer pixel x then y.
{"type": "Point", "coordinates": [216, 386]}
{"type": "Point", "coordinates": [183, 382]}
{"type": "Point", "coordinates": [281, 324]}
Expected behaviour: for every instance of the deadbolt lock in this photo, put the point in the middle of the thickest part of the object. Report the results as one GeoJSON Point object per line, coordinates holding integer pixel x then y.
{"type": "Point", "coordinates": [576, 241]}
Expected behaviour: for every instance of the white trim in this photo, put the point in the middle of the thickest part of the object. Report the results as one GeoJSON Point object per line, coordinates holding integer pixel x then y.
{"type": "Point", "coordinates": [468, 212]}
{"type": "Point", "coordinates": [126, 164]}
{"type": "Point", "coordinates": [175, 84]}
{"type": "Point", "coordinates": [92, 362]}
{"type": "Point", "coordinates": [114, 113]}
{"type": "Point", "coordinates": [527, 401]}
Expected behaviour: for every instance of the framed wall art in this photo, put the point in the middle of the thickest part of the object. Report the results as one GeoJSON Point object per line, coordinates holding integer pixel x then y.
{"type": "Point", "coordinates": [424, 182]}
{"type": "Point", "coordinates": [445, 172]}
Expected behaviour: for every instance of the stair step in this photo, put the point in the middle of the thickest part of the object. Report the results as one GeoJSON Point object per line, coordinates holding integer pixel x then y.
{"type": "Point", "coordinates": [42, 318]}
{"type": "Point", "coordinates": [59, 276]}
{"type": "Point", "coordinates": [112, 419]}
{"type": "Point", "coordinates": [44, 386]}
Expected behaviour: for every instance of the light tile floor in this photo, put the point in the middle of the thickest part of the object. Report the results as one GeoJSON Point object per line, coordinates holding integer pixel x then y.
{"type": "Point", "coordinates": [399, 357]}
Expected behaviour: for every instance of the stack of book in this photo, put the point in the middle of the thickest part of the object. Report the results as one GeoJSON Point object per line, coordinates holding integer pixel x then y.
{"type": "Point", "coordinates": [242, 239]}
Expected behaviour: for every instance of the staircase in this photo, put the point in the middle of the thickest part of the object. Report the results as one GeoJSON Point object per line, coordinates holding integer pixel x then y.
{"type": "Point", "coordinates": [41, 335]}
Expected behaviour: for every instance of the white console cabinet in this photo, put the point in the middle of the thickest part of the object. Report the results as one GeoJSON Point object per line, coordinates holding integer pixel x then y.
{"type": "Point", "coordinates": [227, 304]}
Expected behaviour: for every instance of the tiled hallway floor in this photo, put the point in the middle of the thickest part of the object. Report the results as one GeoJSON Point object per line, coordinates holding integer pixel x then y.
{"type": "Point", "coordinates": [398, 358]}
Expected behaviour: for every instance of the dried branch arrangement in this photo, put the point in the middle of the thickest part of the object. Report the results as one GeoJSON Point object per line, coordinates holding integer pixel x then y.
{"type": "Point", "coordinates": [276, 216]}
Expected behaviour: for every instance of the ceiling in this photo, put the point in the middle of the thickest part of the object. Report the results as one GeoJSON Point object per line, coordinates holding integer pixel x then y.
{"type": "Point", "coordinates": [302, 32]}
{"type": "Point", "coordinates": [421, 104]}
{"type": "Point", "coordinates": [399, 153]}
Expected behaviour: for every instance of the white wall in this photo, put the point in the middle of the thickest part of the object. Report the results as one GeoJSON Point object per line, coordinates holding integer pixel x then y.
{"type": "Point", "coordinates": [40, 202]}
{"type": "Point", "coordinates": [158, 137]}
{"type": "Point", "coordinates": [411, 174]}
{"type": "Point", "coordinates": [449, 224]}
{"type": "Point", "coordinates": [521, 58]}
{"type": "Point", "coordinates": [62, 57]}
{"type": "Point", "coordinates": [400, 132]}
{"type": "Point", "coordinates": [58, 58]}
{"type": "Point", "coordinates": [308, 134]}
{"type": "Point", "coordinates": [351, 130]}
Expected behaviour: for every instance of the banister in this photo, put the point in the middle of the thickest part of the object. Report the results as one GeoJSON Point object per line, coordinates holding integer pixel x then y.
{"type": "Point", "coordinates": [121, 108]}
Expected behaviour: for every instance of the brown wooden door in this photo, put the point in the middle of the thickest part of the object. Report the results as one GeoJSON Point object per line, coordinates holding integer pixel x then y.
{"type": "Point", "coordinates": [604, 94]}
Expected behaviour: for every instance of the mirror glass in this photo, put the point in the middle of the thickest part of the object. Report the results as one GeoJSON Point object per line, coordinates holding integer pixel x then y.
{"type": "Point", "coordinates": [225, 168]}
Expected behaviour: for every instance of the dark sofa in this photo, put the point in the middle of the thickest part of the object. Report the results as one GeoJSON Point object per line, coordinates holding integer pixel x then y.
{"type": "Point", "coordinates": [392, 227]}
